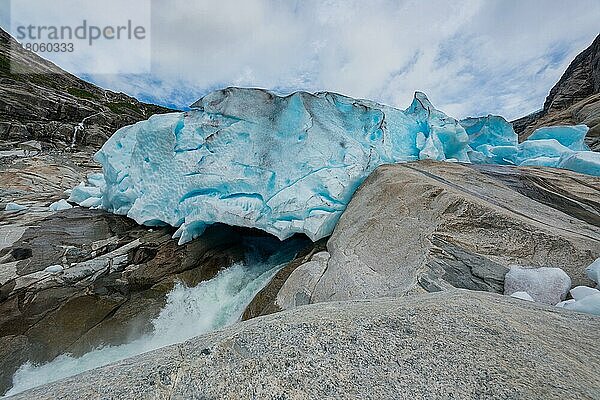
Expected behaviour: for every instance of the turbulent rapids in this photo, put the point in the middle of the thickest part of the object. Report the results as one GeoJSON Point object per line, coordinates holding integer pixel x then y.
{"type": "Point", "coordinates": [189, 312]}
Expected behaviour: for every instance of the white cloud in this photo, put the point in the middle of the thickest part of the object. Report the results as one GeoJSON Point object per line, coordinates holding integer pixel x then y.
{"type": "Point", "coordinates": [86, 19]}
{"type": "Point", "coordinates": [470, 57]}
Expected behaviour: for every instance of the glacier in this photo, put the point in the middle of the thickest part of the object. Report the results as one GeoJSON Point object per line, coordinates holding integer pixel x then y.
{"type": "Point", "coordinates": [290, 164]}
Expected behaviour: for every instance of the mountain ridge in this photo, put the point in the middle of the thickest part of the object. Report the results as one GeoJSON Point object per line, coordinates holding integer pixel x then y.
{"type": "Point", "coordinates": [574, 99]}
{"type": "Point", "coordinates": [40, 101]}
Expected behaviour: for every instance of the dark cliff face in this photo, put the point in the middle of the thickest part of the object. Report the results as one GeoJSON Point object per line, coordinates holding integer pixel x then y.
{"type": "Point", "coordinates": [580, 80]}
{"type": "Point", "coordinates": [575, 99]}
{"type": "Point", "coordinates": [49, 104]}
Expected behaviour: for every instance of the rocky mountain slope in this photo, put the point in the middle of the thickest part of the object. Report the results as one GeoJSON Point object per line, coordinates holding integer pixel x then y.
{"type": "Point", "coordinates": [575, 99]}
{"type": "Point", "coordinates": [48, 104]}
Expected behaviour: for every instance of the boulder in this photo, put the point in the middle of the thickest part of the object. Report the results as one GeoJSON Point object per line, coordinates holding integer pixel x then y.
{"type": "Point", "coordinates": [264, 303]}
{"type": "Point", "coordinates": [545, 285]}
{"type": "Point", "coordinates": [429, 226]}
{"type": "Point", "coordinates": [455, 344]}
{"type": "Point", "coordinates": [297, 290]}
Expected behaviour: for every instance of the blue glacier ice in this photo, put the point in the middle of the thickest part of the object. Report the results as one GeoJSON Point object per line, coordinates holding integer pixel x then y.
{"type": "Point", "coordinates": [290, 164]}
{"type": "Point", "coordinates": [569, 136]}
{"type": "Point", "coordinates": [60, 205]}
{"type": "Point", "coordinates": [489, 130]}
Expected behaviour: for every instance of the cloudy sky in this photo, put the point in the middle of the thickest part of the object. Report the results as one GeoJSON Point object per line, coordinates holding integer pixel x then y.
{"type": "Point", "coordinates": [471, 57]}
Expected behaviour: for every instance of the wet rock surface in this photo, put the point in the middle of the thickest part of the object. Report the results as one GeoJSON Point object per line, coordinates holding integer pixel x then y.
{"type": "Point", "coordinates": [455, 344]}
{"type": "Point", "coordinates": [264, 303]}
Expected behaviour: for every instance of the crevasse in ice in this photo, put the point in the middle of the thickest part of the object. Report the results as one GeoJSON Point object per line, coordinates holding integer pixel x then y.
{"type": "Point", "coordinates": [285, 165]}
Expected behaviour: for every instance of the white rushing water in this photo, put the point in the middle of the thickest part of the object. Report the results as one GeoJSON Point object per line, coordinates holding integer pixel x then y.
{"type": "Point", "coordinates": [188, 312]}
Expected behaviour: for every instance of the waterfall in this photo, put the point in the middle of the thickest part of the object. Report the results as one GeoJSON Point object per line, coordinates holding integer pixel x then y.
{"type": "Point", "coordinates": [80, 127]}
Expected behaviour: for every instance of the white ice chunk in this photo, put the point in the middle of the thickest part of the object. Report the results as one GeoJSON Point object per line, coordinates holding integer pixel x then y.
{"type": "Point", "coordinates": [589, 304]}
{"type": "Point", "coordinates": [593, 271]}
{"type": "Point", "coordinates": [83, 192]}
{"type": "Point", "coordinates": [522, 296]}
{"type": "Point", "coordinates": [60, 205]}
{"type": "Point", "coordinates": [581, 292]}
{"type": "Point", "coordinates": [545, 285]}
{"type": "Point", "coordinates": [91, 202]}
{"type": "Point", "coordinates": [564, 304]}
{"type": "Point", "coordinates": [14, 207]}
{"type": "Point", "coordinates": [54, 269]}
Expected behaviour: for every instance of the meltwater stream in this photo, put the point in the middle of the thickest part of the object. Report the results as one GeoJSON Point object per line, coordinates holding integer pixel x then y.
{"type": "Point", "coordinates": [189, 312]}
